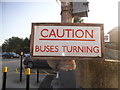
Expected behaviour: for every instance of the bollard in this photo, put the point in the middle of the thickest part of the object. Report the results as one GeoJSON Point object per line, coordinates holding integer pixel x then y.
{"type": "Point", "coordinates": [21, 67]}
{"type": "Point", "coordinates": [28, 79]}
{"type": "Point", "coordinates": [4, 78]}
{"type": "Point", "coordinates": [38, 71]}
{"type": "Point", "coordinates": [37, 75]}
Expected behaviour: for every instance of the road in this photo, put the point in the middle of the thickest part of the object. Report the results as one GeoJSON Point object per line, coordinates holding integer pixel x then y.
{"type": "Point", "coordinates": [14, 72]}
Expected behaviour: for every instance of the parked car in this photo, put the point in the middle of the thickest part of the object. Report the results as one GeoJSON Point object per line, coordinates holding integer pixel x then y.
{"type": "Point", "coordinates": [10, 55]}
{"type": "Point", "coordinates": [32, 63]}
{"type": "Point", "coordinates": [26, 55]}
{"type": "Point", "coordinates": [17, 56]}
{"type": "Point", "coordinates": [0, 55]}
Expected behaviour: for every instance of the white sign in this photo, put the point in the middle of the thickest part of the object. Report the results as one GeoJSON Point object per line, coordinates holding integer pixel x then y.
{"type": "Point", "coordinates": [107, 38]}
{"type": "Point", "coordinates": [83, 41]}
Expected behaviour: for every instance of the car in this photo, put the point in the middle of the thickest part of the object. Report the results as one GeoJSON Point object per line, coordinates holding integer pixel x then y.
{"type": "Point", "coordinates": [10, 55]}
{"type": "Point", "coordinates": [16, 56]}
{"type": "Point", "coordinates": [0, 55]}
{"type": "Point", "coordinates": [26, 55]}
{"type": "Point", "coordinates": [34, 63]}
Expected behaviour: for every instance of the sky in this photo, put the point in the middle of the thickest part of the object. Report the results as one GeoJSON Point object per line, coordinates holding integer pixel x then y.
{"type": "Point", "coordinates": [16, 16]}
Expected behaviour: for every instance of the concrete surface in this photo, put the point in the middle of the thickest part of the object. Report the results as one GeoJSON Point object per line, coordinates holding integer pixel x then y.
{"type": "Point", "coordinates": [98, 74]}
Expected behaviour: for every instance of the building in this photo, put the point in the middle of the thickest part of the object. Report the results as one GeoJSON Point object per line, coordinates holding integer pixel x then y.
{"type": "Point", "coordinates": [113, 34]}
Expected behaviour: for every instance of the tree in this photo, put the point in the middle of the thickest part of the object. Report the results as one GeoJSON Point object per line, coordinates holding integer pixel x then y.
{"type": "Point", "coordinates": [16, 44]}
{"type": "Point", "coordinates": [26, 45]}
{"type": "Point", "coordinates": [78, 20]}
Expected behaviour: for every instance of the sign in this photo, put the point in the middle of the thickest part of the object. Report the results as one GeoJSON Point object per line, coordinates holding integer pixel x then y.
{"type": "Point", "coordinates": [107, 38]}
{"type": "Point", "coordinates": [56, 39]}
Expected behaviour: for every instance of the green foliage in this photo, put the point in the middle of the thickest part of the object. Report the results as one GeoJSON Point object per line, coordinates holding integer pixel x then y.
{"type": "Point", "coordinates": [78, 20]}
{"type": "Point", "coordinates": [16, 44]}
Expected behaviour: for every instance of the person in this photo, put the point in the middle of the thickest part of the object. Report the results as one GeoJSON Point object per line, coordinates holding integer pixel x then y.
{"type": "Point", "coordinates": [66, 76]}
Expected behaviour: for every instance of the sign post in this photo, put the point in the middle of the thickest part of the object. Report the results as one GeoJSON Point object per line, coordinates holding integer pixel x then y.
{"type": "Point", "coordinates": [21, 66]}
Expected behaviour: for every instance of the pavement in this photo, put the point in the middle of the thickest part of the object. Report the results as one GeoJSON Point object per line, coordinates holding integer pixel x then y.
{"type": "Point", "coordinates": [13, 75]}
